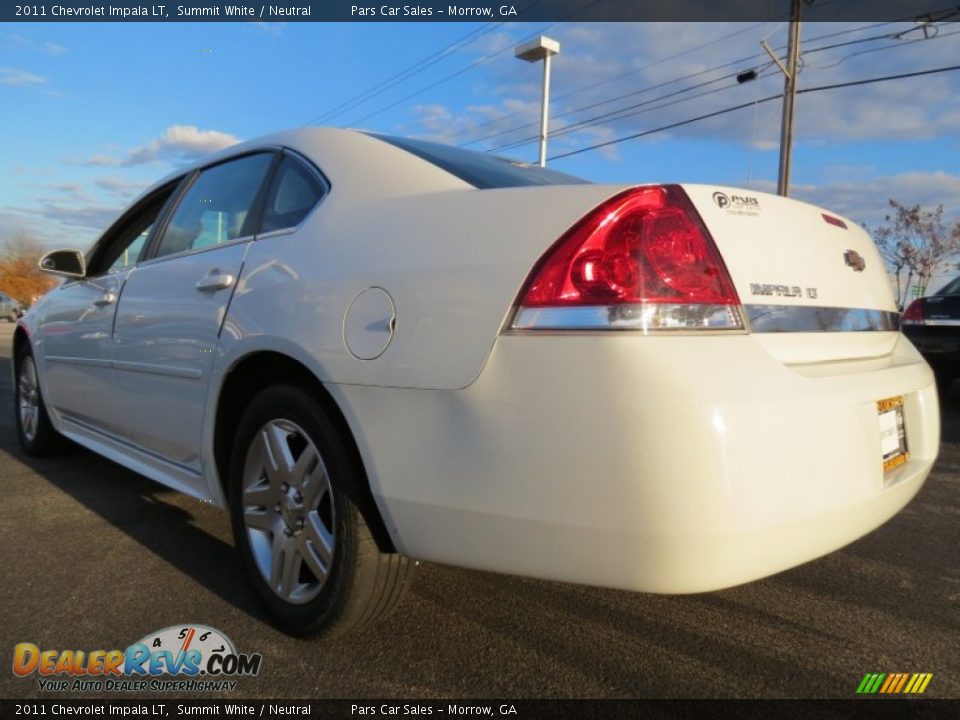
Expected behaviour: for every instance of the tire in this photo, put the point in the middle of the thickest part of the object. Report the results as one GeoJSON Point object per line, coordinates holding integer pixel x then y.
{"type": "Point", "coordinates": [37, 434]}
{"type": "Point", "coordinates": [12, 318]}
{"type": "Point", "coordinates": [303, 542]}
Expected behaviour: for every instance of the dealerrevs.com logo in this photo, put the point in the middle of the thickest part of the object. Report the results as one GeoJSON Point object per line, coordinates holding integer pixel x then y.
{"type": "Point", "coordinates": [200, 657]}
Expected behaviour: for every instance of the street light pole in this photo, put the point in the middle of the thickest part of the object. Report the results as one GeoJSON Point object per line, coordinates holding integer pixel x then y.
{"type": "Point", "coordinates": [541, 48]}
{"type": "Point", "coordinates": [789, 93]}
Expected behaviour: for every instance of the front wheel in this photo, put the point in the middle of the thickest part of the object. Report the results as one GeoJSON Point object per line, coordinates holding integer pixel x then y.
{"type": "Point", "coordinates": [304, 544]}
{"type": "Point", "coordinates": [37, 434]}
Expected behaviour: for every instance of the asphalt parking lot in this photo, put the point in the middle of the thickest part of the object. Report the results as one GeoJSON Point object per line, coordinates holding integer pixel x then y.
{"type": "Point", "coordinates": [95, 556]}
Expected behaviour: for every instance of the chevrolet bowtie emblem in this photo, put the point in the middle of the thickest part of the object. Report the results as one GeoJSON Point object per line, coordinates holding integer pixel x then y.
{"type": "Point", "coordinates": [853, 259]}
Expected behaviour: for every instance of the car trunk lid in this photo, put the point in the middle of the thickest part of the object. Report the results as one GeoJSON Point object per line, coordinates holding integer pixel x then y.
{"type": "Point", "coordinates": [813, 285]}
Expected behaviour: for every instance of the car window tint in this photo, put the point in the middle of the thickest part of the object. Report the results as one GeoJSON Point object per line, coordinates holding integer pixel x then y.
{"type": "Point", "coordinates": [293, 193]}
{"type": "Point", "coordinates": [121, 245]}
{"type": "Point", "coordinates": [482, 170]}
{"type": "Point", "coordinates": [215, 208]}
{"type": "Point", "coordinates": [128, 255]}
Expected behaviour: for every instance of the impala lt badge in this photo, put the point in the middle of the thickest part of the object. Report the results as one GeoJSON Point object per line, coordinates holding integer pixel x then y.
{"type": "Point", "coordinates": [854, 260]}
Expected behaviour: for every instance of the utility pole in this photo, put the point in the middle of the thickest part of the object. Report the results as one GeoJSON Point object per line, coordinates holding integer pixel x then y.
{"type": "Point", "coordinates": [789, 92]}
{"type": "Point", "coordinates": [541, 48]}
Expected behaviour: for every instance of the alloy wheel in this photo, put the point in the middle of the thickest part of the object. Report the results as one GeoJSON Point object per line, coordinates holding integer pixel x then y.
{"type": "Point", "coordinates": [288, 511]}
{"type": "Point", "coordinates": [28, 397]}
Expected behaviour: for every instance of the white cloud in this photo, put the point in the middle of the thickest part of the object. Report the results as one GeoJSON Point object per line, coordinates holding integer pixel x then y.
{"type": "Point", "coordinates": [13, 76]}
{"type": "Point", "coordinates": [649, 59]}
{"type": "Point", "coordinates": [120, 187]}
{"type": "Point", "coordinates": [866, 200]}
{"type": "Point", "coordinates": [272, 28]}
{"type": "Point", "coordinates": [179, 143]}
{"type": "Point", "coordinates": [16, 40]}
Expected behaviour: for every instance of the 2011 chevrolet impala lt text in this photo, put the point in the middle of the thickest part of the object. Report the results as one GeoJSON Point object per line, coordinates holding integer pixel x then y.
{"type": "Point", "coordinates": [372, 349]}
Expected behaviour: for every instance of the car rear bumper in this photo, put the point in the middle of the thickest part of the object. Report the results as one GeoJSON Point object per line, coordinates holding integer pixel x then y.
{"type": "Point", "coordinates": [669, 464]}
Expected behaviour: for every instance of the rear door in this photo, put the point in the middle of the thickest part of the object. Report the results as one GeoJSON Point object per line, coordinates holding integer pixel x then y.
{"type": "Point", "coordinates": [173, 306]}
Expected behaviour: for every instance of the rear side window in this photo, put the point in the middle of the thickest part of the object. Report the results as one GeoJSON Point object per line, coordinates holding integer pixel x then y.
{"type": "Point", "coordinates": [218, 206]}
{"type": "Point", "coordinates": [481, 170]}
{"type": "Point", "coordinates": [293, 194]}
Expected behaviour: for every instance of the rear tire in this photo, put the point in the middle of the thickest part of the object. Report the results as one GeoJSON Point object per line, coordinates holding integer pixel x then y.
{"type": "Point", "coordinates": [37, 434]}
{"type": "Point", "coordinates": [304, 544]}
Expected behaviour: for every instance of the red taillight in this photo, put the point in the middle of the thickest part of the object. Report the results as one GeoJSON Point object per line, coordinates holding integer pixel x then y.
{"type": "Point", "coordinates": [646, 248]}
{"type": "Point", "coordinates": [913, 315]}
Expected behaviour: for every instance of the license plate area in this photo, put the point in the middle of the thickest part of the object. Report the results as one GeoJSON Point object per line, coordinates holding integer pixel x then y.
{"type": "Point", "coordinates": [893, 433]}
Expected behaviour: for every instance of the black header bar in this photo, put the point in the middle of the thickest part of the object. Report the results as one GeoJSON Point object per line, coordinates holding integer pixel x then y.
{"type": "Point", "coordinates": [475, 10]}
{"type": "Point", "coordinates": [307, 709]}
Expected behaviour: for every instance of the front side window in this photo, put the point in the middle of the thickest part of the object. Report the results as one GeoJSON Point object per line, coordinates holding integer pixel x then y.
{"type": "Point", "coordinates": [293, 193]}
{"type": "Point", "coordinates": [218, 206]}
{"type": "Point", "coordinates": [131, 250]}
{"type": "Point", "coordinates": [123, 243]}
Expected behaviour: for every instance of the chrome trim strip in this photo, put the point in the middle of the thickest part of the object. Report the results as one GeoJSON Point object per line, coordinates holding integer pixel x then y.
{"type": "Point", "coordinates": [90, 362]}
{"type": "Point", "coordinates": [653, 318]}
{"type": "Point", "coordinates": [936, 322]}
{"type": "Point", "coordinates": [646, 318]}
{"type": "Point", "coordinates": [816, 319]}
{"type": "Point", "coordinates": [154, 369]}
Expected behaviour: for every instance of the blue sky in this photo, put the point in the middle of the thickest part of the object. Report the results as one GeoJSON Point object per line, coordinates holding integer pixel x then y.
{"type": "Point", "coordinates": [95, 112]}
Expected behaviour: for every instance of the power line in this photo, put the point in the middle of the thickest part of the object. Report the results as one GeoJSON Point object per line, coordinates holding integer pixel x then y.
{"type": "Point", "coordinates": [622, 113]}
{"type": "Point", "coordinates": [625, 74]}
{"type": "Point", "coordinates": [724, 111]}
{"type": "Point", "coordinates": [471, 66]}
{"type": "Point", "coordinates": [405, 74]}
{"type": "Point", "coordinates": [738, 61]}
{"type": "Point", "coordinates": [629, 111]}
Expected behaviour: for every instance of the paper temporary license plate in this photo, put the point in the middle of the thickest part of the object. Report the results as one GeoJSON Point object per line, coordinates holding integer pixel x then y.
{"type": "Point", "coordinates": [893, 433]}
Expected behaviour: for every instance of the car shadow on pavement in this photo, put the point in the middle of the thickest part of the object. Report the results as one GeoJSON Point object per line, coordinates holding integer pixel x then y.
{"type": "Point", "coordinates": [144, 510]}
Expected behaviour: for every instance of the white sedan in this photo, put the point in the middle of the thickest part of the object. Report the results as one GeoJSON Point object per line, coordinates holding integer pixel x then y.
{"type": "Point", "coordinates": [372, 349]}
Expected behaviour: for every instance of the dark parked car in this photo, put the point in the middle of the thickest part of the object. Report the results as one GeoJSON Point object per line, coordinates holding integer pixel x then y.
{"type": "Point", "coordinates": [9, 308]}
{"type": "Point", "coordinates": [933, 324]}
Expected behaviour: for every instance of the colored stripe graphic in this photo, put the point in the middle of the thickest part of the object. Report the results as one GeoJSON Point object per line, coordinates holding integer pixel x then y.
{"type": "Point", "coordinates": [894, 683]}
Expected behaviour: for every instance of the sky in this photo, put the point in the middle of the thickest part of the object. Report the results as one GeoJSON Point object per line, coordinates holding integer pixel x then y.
{"type": "Point", "coordinates": [96, 112]}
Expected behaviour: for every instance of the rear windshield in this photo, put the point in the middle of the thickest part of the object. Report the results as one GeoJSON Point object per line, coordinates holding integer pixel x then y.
{"type": "Point", "coordinates": [481, 170]}
{"type": "Point", "coordinates": [951, 288]}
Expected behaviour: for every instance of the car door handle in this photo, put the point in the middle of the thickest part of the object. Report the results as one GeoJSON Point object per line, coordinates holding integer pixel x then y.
{"type": "Point", "coordinates": [214, 282]}
{"type": "Point", "coordinates": [108, 298]}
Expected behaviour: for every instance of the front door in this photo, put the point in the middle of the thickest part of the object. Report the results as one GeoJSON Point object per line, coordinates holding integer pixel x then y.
{"type": "Point", "coordinates": [76, 322]}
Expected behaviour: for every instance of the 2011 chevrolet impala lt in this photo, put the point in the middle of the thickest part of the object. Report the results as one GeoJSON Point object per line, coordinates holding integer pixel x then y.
{"type": "Point", "coordinates": [372, 349]}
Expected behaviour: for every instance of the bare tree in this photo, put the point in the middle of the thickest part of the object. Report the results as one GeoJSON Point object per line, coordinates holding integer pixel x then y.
{"type": "Point", "coordinates": [916, 240]}
{"type": "Point", "coordinates": [20, 274]}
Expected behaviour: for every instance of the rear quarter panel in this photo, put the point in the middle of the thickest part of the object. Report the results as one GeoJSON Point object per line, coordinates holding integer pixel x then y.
{"type": "Point", "coordinates": [452, 261]}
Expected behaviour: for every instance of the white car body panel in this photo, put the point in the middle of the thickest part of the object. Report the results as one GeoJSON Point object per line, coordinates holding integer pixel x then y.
{"type": "Point", "coordinates": [164, 343]}
{"type": "Point", "coordinates": [685, 464]}
{"type": "Point", "coordinates": [649, 462]}
{"type": "Point", "coordinates": [71, 331]}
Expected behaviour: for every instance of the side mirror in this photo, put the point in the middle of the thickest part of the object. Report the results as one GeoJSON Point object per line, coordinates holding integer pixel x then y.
{"type": "Point", "coordinates": [69, 263]}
